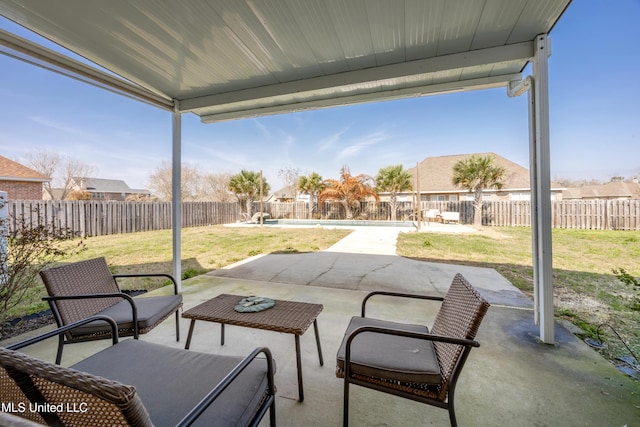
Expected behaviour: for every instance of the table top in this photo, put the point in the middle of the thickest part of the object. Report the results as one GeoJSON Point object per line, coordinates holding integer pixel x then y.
{"type": "Point", "coordinates": [290, 317]}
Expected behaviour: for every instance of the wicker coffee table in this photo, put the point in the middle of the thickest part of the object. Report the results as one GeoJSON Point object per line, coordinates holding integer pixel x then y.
{"type": "Point", "coordinates": [290, 317]}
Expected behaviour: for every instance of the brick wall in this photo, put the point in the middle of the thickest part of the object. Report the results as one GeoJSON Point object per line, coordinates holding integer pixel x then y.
{"type": "Point", "coordinates": [22, 190]}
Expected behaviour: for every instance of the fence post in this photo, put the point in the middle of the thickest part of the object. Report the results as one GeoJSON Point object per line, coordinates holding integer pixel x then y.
{"type": "Point", "coordinates": [4, 230]}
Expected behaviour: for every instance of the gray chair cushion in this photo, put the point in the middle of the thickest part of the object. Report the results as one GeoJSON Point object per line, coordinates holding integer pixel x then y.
{"type": "Point", "coordinates": [391, 357]}
{"type": "Point", "coordinates": [150, 311]}
{"type": "Point", "coordinates": [171, 381]}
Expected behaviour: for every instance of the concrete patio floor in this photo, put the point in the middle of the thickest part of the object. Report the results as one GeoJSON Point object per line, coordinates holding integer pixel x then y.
{"type": "Point", "coordinates": [511, 380]}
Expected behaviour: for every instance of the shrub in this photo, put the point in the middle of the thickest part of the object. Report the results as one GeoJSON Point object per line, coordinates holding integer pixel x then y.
{"type": "Point", "coordinates": [24, 251]}
{"type": "Point", "coordinates": [629, 280]}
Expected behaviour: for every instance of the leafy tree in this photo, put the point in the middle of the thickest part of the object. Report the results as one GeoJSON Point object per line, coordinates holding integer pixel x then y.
{"type": "Point", "coordinates": [246, 186]}
{"type": "Point", "coordinates": [61, 169]}
{"type": "Point", "coordinates": [349, 190]}
{"type": "Point", "coordinates": [312, 185]}
{"type": "Point", "coordinates": [476, 173]}
{"type": "Point", "coordinates": [393, 179]}
{"type": "Point", "coordinates": [26, 249]}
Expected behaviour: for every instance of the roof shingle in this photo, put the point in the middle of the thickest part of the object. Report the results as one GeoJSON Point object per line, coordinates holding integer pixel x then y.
{"type": "Point", "coordinates": [14, 171]}
{"type": "Point", "coordinates": [436, 173]}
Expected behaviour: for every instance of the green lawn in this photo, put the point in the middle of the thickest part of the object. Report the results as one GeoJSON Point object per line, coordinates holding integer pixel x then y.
{"type": "Point", "coordinates": [203, 249]}
{"type": "Point", "coordinates": [585, 289]}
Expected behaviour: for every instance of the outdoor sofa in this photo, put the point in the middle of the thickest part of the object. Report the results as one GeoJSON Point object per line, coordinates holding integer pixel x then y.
{"type": "Point", "coordinates": [136, 383]}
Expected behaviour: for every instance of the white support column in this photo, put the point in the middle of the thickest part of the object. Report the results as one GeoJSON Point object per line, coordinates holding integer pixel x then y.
{"type": "Point", "coordinates": [542, 51]}
{"type": "Point", "coordinates": [176, 196]}
{"type": "Point", "coordinates": [533, 184]}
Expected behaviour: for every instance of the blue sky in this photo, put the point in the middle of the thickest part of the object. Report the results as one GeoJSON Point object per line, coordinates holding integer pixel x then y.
{"type": "Point", "coordinates": [594, 105]}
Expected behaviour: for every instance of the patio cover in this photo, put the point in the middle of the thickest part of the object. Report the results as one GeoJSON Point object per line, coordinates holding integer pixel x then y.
{"type": "Point", "coordinates": [232, 59]}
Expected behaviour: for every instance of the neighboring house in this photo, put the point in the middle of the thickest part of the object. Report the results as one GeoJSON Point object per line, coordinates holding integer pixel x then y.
{"type": "Point", "coordinates": [610, 191]}
{"type": "Point", "coordinates": [436, 181]}
{"type": "Point", "coordinates": [287, 194]}
{"type": "Point", "coordinates": [19, 181]}
{"type": "Point", "coordinates": [106, 189]}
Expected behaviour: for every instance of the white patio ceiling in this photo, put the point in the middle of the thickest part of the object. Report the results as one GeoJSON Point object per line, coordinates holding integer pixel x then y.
{"type": "Point", "coordinates": [229, 59]}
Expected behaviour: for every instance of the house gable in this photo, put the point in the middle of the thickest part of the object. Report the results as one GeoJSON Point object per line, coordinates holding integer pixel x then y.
{"type": "Point", "coordinates": [436, 176]}
{"type": "Point", "coordinates": [19, 181]}
{"type": "Point", "coordinates": [14, 171]}
{"type": "Point", "coordinates": [610, 191]}
{"type": "Point", "coordinates": [106, 189]}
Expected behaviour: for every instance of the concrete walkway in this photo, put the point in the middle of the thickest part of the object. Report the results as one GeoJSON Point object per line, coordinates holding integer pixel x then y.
{"type": "Point", "coordinates": [369, 240]}
{"type": "Point", "coordinates": [366, 260]}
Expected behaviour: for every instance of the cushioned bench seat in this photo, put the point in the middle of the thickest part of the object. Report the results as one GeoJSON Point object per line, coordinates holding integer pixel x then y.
{"type": "Point", "coordinates": [180, 380]}
{"type": "Point", "coordinates": [137, 383]}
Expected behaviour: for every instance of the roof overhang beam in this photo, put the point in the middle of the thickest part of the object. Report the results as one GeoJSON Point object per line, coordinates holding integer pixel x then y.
{"type": "Point", "coordinates": [32, 53]}
{"type": "Point", "coordinates": [380, 95]}
{"type": "Point", "coordinates": [356, 80]}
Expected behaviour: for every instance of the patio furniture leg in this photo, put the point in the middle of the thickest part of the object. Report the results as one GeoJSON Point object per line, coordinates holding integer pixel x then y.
{"type": "Point", "coordinates": [345, 403]}
{"type": "Point", "coordinates": [60, 346]}
{"type": "Point", "coordinates": [315, 329]}
{"type": "Point", "coordinates": [177, 326]}
{"type": "Point", "coordinates": [299, 363]}
{"type": "Point", "coordinates": [191, 325]}
{"type": "Point", "coordinates": [452, 414]}
{"type": "Point", "coordinates": [272, 415]}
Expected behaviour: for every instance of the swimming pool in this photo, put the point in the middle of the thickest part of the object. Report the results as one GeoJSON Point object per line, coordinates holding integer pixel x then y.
{"type": "Point", "coordinates": [339, 223]}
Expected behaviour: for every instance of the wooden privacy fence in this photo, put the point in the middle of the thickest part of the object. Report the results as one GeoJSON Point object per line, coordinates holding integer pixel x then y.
{"type": "Point", "coordinates": [597, 214]}
{"type": "Point", "coordinates": [579, 214]}
{"type": "Point", "coordinates": [94, 218]}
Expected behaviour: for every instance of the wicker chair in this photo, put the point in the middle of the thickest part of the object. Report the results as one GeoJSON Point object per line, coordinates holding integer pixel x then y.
{"type": "Point", "coordinates": [407, 360]}
{"type": "Point", "coordinates": [87, 288]}
{"type": "Point", "coordinates": [111, 388]}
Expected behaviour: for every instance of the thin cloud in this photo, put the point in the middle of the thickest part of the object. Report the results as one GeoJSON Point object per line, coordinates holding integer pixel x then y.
{"type": "Point", "coordinates": [230, 157]}
{"type": "Point", "coordinates": [360, 144]}
{"type": "Point", "coordinates": [61, 127]}
{"type": "Point", "coordinates": [331, 140]}
{"type": "Point", "coordinates": [289, 140]}
{"type": "Point", "coordinates": [265, 131]}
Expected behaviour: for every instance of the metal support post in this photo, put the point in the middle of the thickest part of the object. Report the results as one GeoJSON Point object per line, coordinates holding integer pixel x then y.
{"type": "Point", "coordinates": [176, 196]}
{"type": "Point", "coordinates": [542, 46]}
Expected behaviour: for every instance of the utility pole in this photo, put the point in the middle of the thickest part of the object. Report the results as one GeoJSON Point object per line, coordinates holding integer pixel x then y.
{"type": "Point", "coordinates": [261, 213]}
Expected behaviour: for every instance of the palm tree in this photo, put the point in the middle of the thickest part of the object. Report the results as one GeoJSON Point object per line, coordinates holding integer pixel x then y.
{"type": "Point", "coordinates": [393, 179]}
{"type": "Point", "coordinates": [311, 185]}
{"type": "Point", "coordinates": [476, 173]}
{"type": "Point", "coordinates": [246, 186]}
{"type": "Point", "coordinates": [349, 190]}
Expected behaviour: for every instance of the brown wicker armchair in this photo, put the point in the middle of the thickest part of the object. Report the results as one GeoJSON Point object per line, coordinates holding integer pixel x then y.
{"type": "Point", "coordinates": [112, 387]}
{"type": "Point", "coordinates": [407, 360]}
{"type": "Point", "coordinates": [87, 288]}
